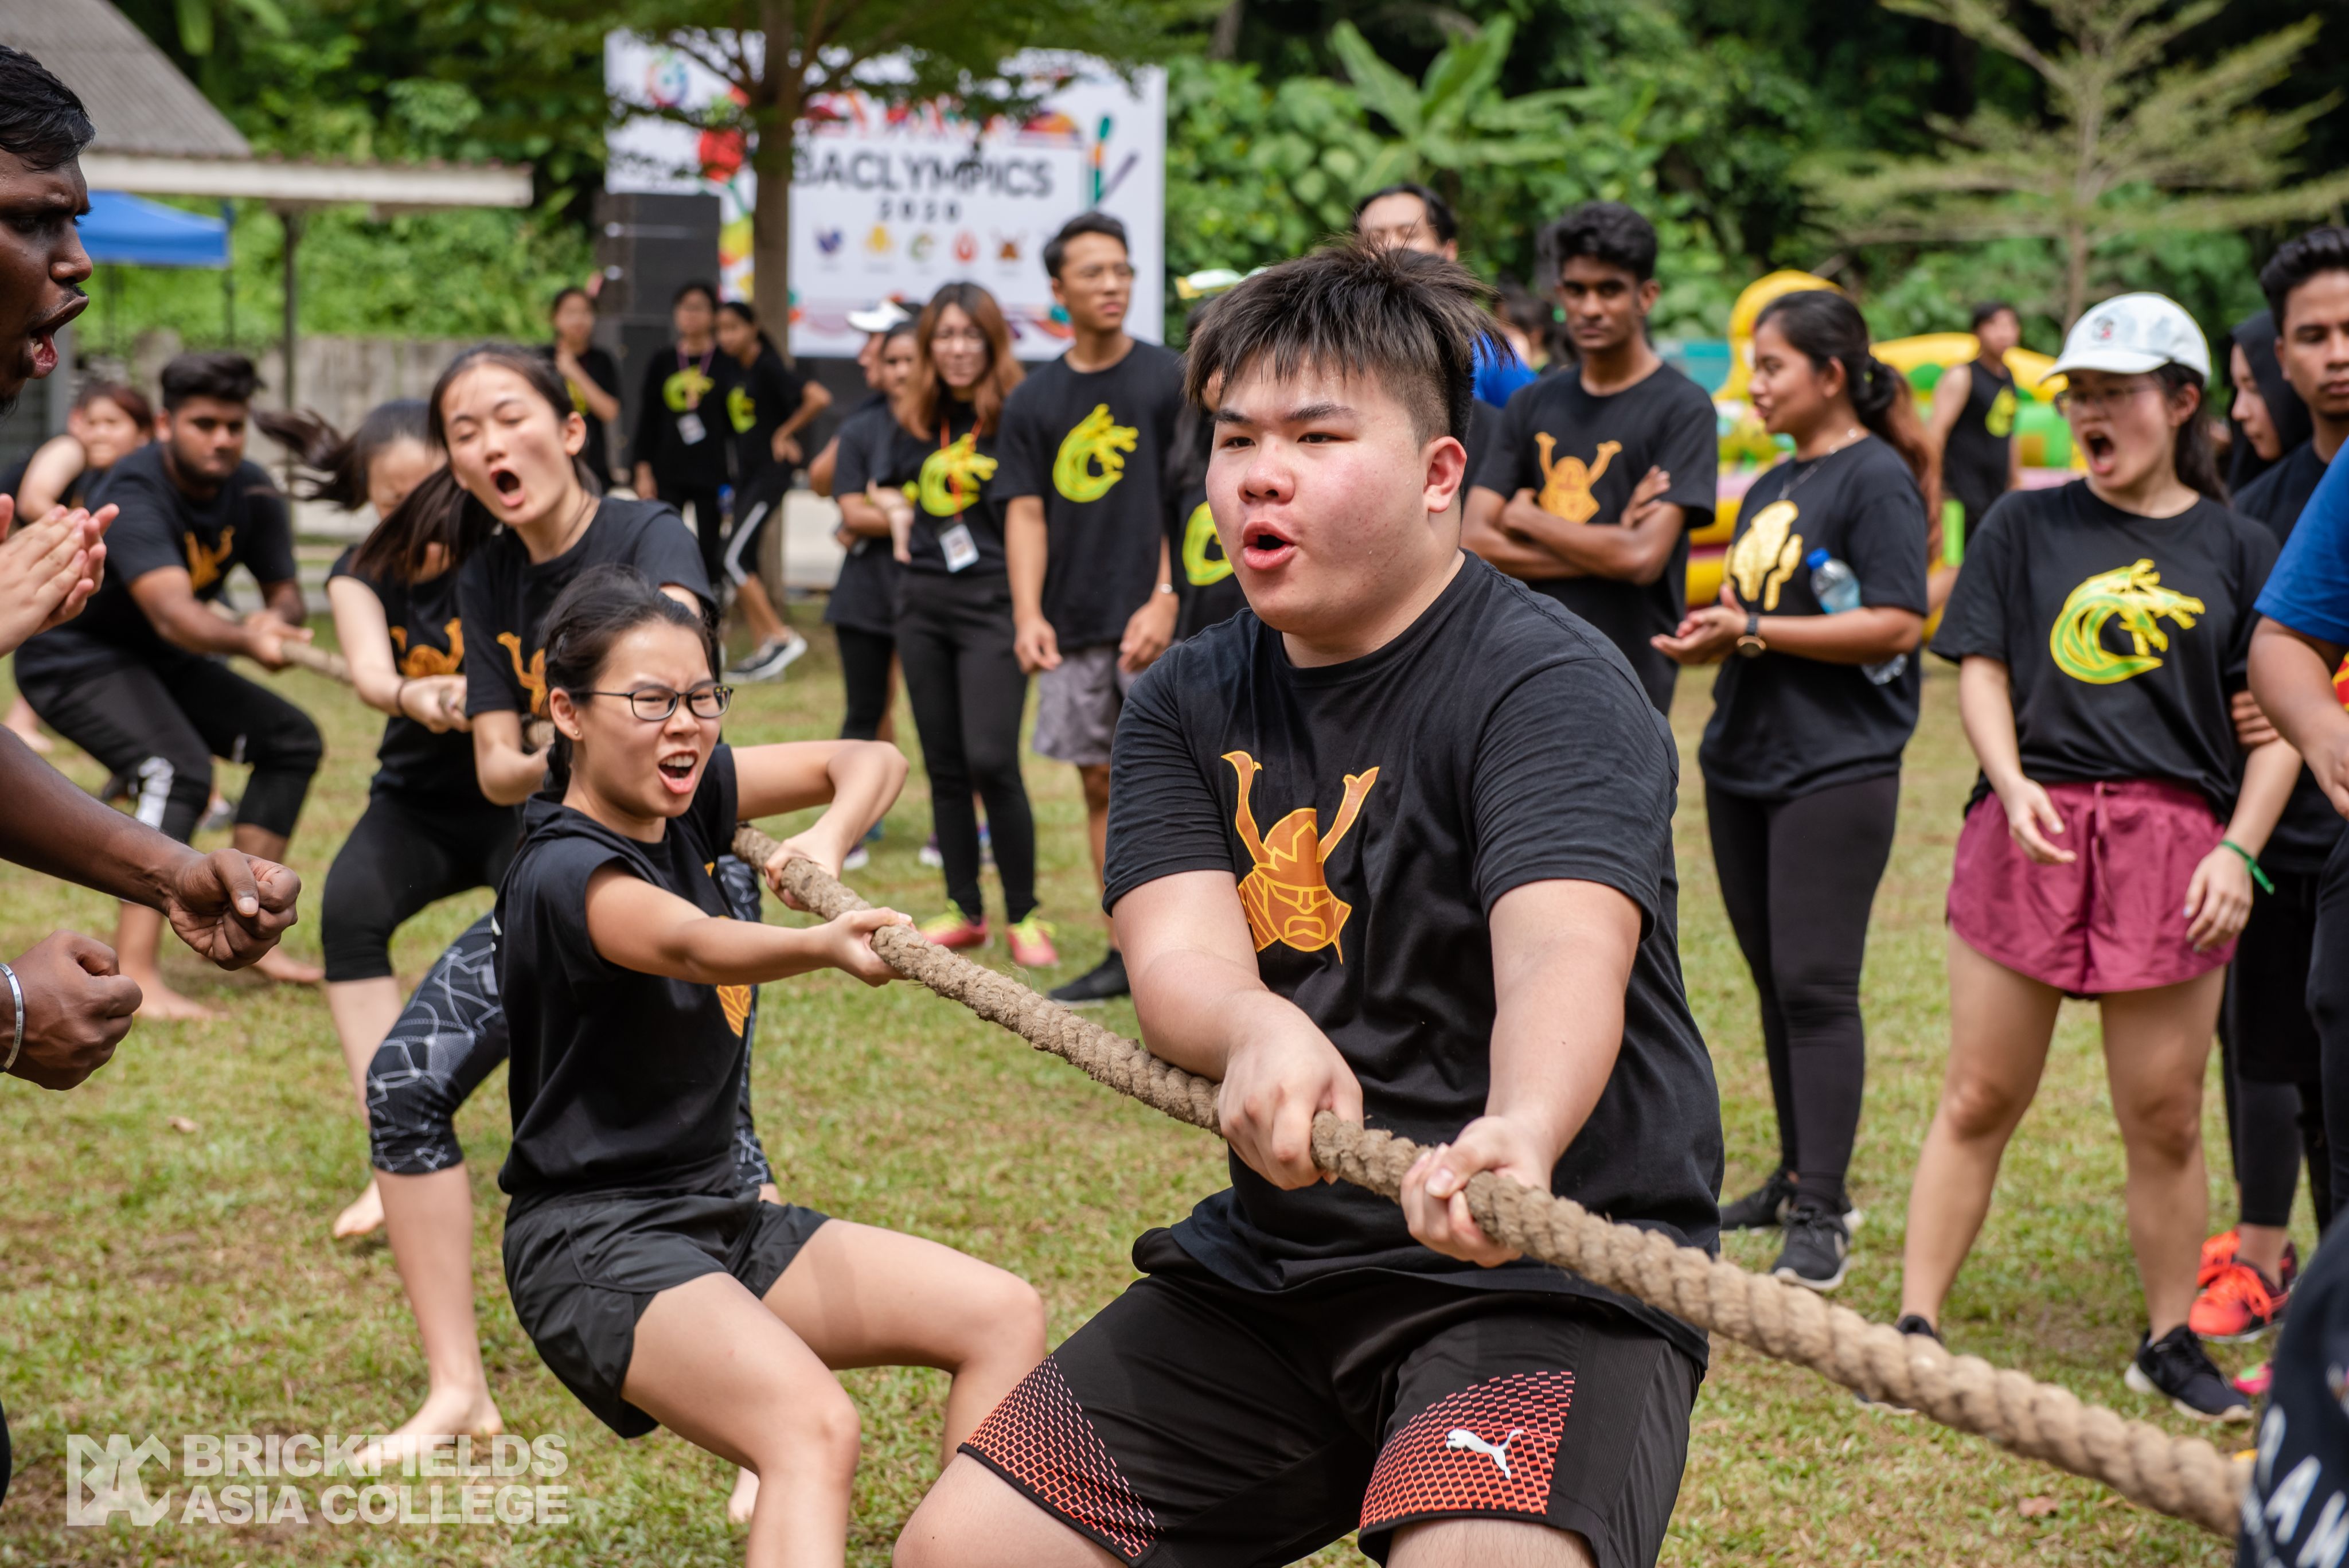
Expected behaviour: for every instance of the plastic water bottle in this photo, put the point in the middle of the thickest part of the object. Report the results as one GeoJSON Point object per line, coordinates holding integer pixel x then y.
{"type": "Point", "coordinates": [1837, 588]}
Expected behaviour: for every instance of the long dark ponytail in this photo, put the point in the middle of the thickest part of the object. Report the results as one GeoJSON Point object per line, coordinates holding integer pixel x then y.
{"type": "Point", "coordinates": [1826, 329]}
{"type": "Point", "coordinates": [602, 604]}
{"type": "Point", "coordinates": [2194, 454]}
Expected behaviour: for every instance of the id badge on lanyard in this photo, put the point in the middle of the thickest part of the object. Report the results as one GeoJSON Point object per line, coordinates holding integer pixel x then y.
{"type": "Point", "coordinates": [955, 542]}
{"type": "Point", "coordinates": [690, 429]}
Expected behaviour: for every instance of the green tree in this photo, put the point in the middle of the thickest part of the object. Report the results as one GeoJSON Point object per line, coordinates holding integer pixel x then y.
{"type": "Point", "coordinates": [777, 55]}
{"type": "Point", "coordinates": [1454, 124]}
{"type": "Point", "coordinates": [2126, 145]}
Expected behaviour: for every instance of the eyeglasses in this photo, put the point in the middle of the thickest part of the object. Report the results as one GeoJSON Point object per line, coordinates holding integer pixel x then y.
{"type": "Point", "coordinates": [655, 704]}
{"type": "Point", "coordinates": [2068, 401]}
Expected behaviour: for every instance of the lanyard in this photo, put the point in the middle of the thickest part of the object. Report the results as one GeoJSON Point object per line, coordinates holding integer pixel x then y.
{"type": "Point", "coordinates": [953, 480]}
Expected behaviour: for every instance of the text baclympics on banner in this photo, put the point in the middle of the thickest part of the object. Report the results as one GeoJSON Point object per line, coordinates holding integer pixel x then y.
{"type": "Point", "coordinates": [893, 199]}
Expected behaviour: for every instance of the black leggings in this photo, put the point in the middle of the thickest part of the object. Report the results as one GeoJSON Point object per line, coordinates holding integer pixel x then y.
{"type": "Point", "coordinates": [708, 527]}
{"type": "Point", "coordinates": [864, 658]}
{"type": "Point", "coordinates": [162, 727]}
{"type": "Point", "coordinates": [452, 1034]}
{"type": "Point", "coordinates": [1798, 878]}
{"type": "Point", "coordinates": [968, 692]}
{"type": "Point", "coordinates": [2270, 1057]}
{"type": "Point", "coordinates": [2328, 1004]}
{"type": "Point", "coordinates": [401, 856]}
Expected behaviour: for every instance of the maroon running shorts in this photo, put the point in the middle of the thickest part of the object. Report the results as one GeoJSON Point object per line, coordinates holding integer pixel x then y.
{"type": "Point", "coordinates": [2111, 920]}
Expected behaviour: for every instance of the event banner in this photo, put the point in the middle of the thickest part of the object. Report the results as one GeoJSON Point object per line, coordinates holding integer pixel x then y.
{"type": "Point", "coordinates": [889, 200]}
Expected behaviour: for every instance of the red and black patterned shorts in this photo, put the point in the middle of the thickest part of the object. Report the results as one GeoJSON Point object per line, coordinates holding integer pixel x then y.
{"type": "Point", "coordinates": [1199, 1424]}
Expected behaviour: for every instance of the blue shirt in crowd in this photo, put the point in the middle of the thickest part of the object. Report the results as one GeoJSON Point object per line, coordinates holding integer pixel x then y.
{"type": "Point", "coordinates": [2309, 589]}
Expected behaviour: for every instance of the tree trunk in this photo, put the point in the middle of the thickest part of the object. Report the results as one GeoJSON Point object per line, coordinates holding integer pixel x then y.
{"type": "Point", "coordinates": [2076, 271]}
{"type": "Point", "coordinates": [776, 107]}
{"type": "Point", "coordinates": [1224, 43]}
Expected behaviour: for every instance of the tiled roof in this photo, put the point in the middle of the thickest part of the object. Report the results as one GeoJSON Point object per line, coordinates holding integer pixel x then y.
{"type": "Point", "coordinates": [137, 97]}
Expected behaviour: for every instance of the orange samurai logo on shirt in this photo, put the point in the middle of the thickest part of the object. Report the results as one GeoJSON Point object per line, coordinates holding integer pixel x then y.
{"type": "Point", "coordinates": [1286, 898]}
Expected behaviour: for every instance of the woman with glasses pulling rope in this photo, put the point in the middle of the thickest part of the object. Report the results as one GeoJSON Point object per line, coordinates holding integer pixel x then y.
{"type": "Point", "coordinates": [1823, 609]}
{"type": "Point", "coordinates": [2110, 849]}
{"type": "Point", "coordinates": [925, 488]}
{"type": "Point", "coordinates": [519, 512]}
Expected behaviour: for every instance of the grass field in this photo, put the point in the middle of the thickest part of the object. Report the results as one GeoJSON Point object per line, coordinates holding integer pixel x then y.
{"type": "Point", "coordinates": [165, 1266]}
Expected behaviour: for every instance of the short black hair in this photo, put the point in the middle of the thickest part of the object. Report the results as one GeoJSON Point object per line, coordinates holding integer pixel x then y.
{"type": "Point", "coordinates": [1606, 232]}
{"type": "Point", "coordinates": [1987, 309]}
{"type": "Point", "coordinates": [565, 292]}
{"type": "Point", "coordinates": [2297, 261]}
{"type": "Point", "coordinates": [229, 378]}
{"type": "Point", "coordinates": [42, 123]}
{"type": "Point", "coordinates": [1439, 210]}
{"type": "Point", "coordinates": [1094, 223]}
{"type": "Point", "coordinates": [1410, 321]}
{"type": "Point", "coordinates": [707, 290]}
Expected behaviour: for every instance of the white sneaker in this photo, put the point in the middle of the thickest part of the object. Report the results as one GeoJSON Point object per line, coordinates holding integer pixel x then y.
{"type": "Point", "coordinates": [770, 660]}
{"type": "Point", "coordinates": [857, 860]}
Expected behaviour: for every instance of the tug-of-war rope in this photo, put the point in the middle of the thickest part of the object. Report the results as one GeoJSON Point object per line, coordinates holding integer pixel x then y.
{"type": "Point", "coordinates": [2183, 1476]}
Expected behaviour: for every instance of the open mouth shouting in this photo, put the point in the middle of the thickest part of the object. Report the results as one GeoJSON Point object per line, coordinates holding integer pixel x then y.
{"type": "Point", "coordinates": [680, 770]}
{"type": "Point", "coordinates": [44, 331]}
{"type": "Point", "coordinates": [509, 486]}
{"type": "Point", "coordinates": [2098, 448]}
{"type": "Point", "coordinates": [1265, 546]}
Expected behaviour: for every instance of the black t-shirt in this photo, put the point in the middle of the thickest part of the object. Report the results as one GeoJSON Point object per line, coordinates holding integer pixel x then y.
{"type": "Point", "coordinates": [681, 426]}
{"type": "Point", "coordinates": [11, 478]}
{"type": "Point", "coordinates": [2294, 1512]}
{"type": "Point", "coordinates": [951, 478]}
{"type": "Point", "coordinates": [1581, 453]}
{"type": "Point", "coordinates": [2124, 636]}
{"type": "Point", "coordinates": [1784, 726]}
{"type": "Point", "coordinates": [1374, 811]}
{"type": "Point", "coordinates": [762, 397]}
{"type": "Point", "coordinates": [2308, 829]}
{"type": "Point", "coordinates": [1211, 592]}
{"type": "Point", "coordinates": [1091, 445]}
{"type": "Point", "coordinates": [620, 1080]}
{"type": "Point", "coordinates": [864, 597]}
{"type": "Point", "coordinates": [245, 523]}
{"type": "Point", "coordinates": [605, 371]}
{"type": "Point", "coordinates": [502, 598]}
{"type": "Point", "coordinates": [427, 637]}
{"type": "Point", "coordinates": [1974, 463]}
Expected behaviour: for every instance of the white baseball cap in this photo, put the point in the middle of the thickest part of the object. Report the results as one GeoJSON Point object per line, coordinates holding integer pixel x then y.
{"type": "Point", "coordinates": [2130, 333]}
{"type": "Point", "coordinates": [880, 318]}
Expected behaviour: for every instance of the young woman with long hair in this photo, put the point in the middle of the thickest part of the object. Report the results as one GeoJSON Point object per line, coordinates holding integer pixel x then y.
{"type": "Point", "coordinates": [770, 405]}
{"type": "Point", "coordinates": [861, 609]}
{"type": "Point", "coordinates": [2110, 847]}
{"type": "Point", "coordinates": [589, 373]}
{"type": "Point", "coordinates": [1821, 612]}
{"type": "Point", "coordinates": [926, 489]}
{"type": "Point", "coordinates": [520, 514]}
{"type": "Point", "coordinates": [652, 1286]}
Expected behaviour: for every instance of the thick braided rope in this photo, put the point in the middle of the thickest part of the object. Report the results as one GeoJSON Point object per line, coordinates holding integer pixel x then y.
{"type": "Point", "coordinates": [316, 660]}
{"type": "Point", "coordinates": [2183, 1476]}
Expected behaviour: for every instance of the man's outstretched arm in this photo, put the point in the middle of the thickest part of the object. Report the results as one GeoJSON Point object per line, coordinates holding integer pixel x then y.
{"type": "Point", "coordinates": [1562, 955]}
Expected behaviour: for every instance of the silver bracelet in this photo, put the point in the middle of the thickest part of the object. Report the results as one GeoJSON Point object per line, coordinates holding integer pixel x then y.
{"type": "Point", "coordinates": [17, 992]}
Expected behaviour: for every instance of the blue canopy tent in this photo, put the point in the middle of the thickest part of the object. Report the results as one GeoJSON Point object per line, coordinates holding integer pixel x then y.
{"type": "Point", "coordinates": [131, 231]}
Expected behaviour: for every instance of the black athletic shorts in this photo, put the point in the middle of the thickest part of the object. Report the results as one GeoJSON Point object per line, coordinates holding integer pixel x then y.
{"type": "Point", "coordinates": [583, 1271]}
{"type": "Point", "coordinates": [2265, 1017]}
{"type": "Point", "coordinates": [1196, 1423]}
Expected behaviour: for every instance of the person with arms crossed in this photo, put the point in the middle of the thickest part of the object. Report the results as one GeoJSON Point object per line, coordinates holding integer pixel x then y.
{"type": "Point", "coordinates": [1395, 844]}
{"type": "Point", "coordinates": [2111, 845]}
{"type": "Point", "coordinates": [861, 609]}
{"type": "Point", "coordinates": [878, 324]}
{"type": "Point", "coordinates": [138, 680]}
{"type": "Point", "coordinates": [770, 404]}
{"type": "Point", "coordinates": [1588, 489]}
{"type": "Point", "coordinates": [2274, 1058]}
{"type": "Point", "coordinates": [1093, 592]}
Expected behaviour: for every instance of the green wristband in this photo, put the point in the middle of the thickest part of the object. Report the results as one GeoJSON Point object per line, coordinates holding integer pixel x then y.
{"type": "Point", "coordinates": [2251, 860]}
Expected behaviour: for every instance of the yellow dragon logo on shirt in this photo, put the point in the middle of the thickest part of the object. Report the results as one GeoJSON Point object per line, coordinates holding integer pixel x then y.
{"type": "Point", "coordinates": [1566, 484]}
{"type": "Point", "coordinates": [417, 662]}
{"type": "Point", "coordinates": [951, 477]}
{"type": "Point", "coordinates": [1766, 555]}
{"type": "Point", "coordinates": [1203, 561]}
{"type": "Point", "coordinates": [742, 410]}
{"type": "Point", "coordinates": [1093, 456]}
{"type": "Point", "coordinates": [683, 391]}
{"type": "Point", "coordinates": [1286, 898]}
{"type": "Point", "coordinates": [206, 565]}
{"type": "Point", "coordinates": [531, 675]}
{"type": "Point", "coordinates": [1999, 420]}
{"type": "Point", "coordinates": [2132, 594]}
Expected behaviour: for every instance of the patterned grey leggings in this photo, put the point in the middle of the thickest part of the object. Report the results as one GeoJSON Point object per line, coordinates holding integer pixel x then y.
{"type": "Point", "coordinates": [453, 1032]}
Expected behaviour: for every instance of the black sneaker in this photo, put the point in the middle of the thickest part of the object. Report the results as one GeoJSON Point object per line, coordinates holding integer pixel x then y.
{"type": "Point", "coordinates": [2176, 1366]}
{"type": "Point", "coordinates": [1817, 1250]}
{"type": "Point", "coordinates": [1908, 1322]}
{"type": "Point", "coordinates": [1764, 1208]}
{"type": "Point", "coordinates": [1097, 984]}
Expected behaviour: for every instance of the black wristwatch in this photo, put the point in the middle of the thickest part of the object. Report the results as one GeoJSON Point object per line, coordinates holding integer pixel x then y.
{"type": "Point", "coordinates": [1750, 645]}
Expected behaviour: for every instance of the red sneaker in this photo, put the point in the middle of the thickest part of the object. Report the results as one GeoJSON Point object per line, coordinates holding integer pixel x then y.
{"type": "Point", "coordinates": [2237, 1305]}
{"type": "Point", "coordinates": [2216, 1254]}
{"type": "Point", "coordinates": [954, 930]}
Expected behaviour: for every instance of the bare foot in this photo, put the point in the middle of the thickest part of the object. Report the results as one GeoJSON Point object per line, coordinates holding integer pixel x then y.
{"type": "Point", "coordinates": [745, 1498]}
{"type": "Point", "coordinates": [281, 966]}
{"type": "Point", "coordinates": [364, 1216]}
{"type": "Point", "coordinates": [159, 1002]}
{"type": "Point", "coordinates": [444, 1415]}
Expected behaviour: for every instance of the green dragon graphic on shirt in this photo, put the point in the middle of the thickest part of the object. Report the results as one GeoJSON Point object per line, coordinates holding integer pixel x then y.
{"type": "Point", "coordinates": [683, 391]}
{"type": "Point", "coordinates": [741, 411]}
{"type": "Point", "coordinates": [951, 477]}
{"type": "Point", "coordinates": [1093, 456]}
{"type": "Point", "coordinates": [1999, 420]}
{"type": "Point", "coordinates": [2132, 594]}
{"type": "Point", "coordinates": [1203, 561]}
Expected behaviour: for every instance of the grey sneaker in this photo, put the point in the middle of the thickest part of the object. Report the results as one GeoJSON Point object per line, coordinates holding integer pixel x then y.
{"type": "Point", "coordinates": [770, 660]}
{"type": "Point", "coordinates": [1817, 1250]}
{"type": "Point", "coordinates": [2177, 1366]}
